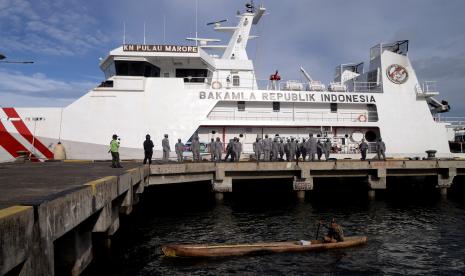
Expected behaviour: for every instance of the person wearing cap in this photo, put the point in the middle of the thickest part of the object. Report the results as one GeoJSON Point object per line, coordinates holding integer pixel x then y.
{"type": "Point", "coordinates": [275, 148]}
{"type": "Point", "coordinates": [237, 149]}
{"type": "Point", "coordinates": [363, 147]}
{"type": "Point", "coordinates": [148, 149]}
{"type": "Point", "coordinates": [292, 149]}
{"type": "Point", "coordinates": [287, 149]}
{"type": "Point", "coordinates": [281, 149]}
{"type": "Point", "coordinates": [179, 147]}
{"type": "Point", "coordinates": [267, 148]}
{"type": "Point", "coordinates": [229, 150]}
{"type": "Point", "coordinates": [211, 149]}
{"type": "Point", "coordinates": [165, 144]}
{"type": "Point", "coordinates": [257, 149]}
{"type": "Point", "coordinates": [312, 147]}
{"type": "Point", "coordinates": [218, 149]}
{"type": "Point", "coordinates": [195, 147]}
{"type": "Point", "coordinates": [114, 150]}
{"type": "Point", "coordinates": [380, 149]}
{"type": "Point", "coordinates": [319, 149]}
{"type": "Point", "coordinates": [327, 148]}
{"type": "Point", "coordinates": [303, 149]}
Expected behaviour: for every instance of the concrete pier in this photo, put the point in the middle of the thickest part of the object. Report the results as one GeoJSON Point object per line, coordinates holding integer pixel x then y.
{"type": "Point", "coordinates": [303, 174]}
{"type": "Point", "coordinates": [50, 212]}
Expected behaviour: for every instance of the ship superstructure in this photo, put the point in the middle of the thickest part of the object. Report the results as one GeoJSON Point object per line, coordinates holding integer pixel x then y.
{"type": "Point", "coordinates": [211, 90]}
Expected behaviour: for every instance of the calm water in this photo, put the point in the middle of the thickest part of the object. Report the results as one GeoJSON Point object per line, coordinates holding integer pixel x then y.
{"type": "Point", "coordinates": [423, 236]}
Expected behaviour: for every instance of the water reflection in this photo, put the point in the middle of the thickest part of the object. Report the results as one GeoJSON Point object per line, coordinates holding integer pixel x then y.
{"type": "Point", "coordinates": [416, 235]}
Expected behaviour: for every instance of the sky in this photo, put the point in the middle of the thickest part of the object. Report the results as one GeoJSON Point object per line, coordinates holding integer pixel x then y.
{"type": "Point", "coordinates": [66, 38]}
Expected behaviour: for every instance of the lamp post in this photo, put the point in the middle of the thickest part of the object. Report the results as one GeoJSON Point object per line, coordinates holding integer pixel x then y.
{"type": "Point", "coordinates": [3, 57]}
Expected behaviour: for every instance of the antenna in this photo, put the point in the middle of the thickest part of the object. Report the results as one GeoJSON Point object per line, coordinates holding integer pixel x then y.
{"type": "Point", "coordinates": [250, 8]}
{"type": "Point", "coordinates": [216, 22]}
{"type": "Point", "coordinates": [124, 32]}
{"type": "Point", "coordinates": [144, 32]}
{"type": "Point", "coordinates": [164, 29]}
{"type": "Point", "coordinates": [196, 11]}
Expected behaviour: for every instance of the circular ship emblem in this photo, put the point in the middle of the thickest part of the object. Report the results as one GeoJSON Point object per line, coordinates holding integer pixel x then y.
{"type": "Point", "coordinates": [397, 74]}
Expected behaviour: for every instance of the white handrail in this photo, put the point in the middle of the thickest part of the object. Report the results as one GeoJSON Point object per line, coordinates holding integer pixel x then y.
{"type": "Point", "coordinates": [293, 116]}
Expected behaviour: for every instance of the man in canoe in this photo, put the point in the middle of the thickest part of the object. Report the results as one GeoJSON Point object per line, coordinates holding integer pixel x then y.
{"type": "Point", "coordinates": [335, 232]}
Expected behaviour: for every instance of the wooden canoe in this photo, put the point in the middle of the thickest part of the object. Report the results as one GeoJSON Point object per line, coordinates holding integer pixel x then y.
{"type": "Point", "coordinates": [220, 250]}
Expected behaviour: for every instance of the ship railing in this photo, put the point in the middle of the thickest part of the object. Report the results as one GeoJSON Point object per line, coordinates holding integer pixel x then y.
{"type": "Point", "coordinates": [282, 85]}
{"type": "Point", "coordinates": [336, 148]}
{"type": "Point", "coordinates": [453, 121]}
{"type": "Point", "coordinates": [366, 87]}
{"type": "Point", "coordinates": [429, 87]}
{"type": "Point", "coordinates": [352, 117]}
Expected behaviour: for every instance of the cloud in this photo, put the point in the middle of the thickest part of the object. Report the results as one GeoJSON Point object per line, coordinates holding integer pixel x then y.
{"type": "Point", "coordinates": [440, 68]}
{"type": "Point", "coordinates": [38, 85]}
{"type": "Point", "coordinates": [48, 27]}
{"type": "Point", "coordinates": [315, 34]}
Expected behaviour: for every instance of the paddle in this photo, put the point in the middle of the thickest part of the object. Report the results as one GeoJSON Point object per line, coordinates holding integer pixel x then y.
{"type": "Point", "coordinates": [318, 230]}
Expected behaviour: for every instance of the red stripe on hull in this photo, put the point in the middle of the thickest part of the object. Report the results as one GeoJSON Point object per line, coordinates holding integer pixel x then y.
{"type": "Point", "coordinates": [24, 131]}
{"type": "Point", "coordinates": [10, 144]}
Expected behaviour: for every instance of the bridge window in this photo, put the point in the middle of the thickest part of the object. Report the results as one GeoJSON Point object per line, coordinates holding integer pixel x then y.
{"type": "Point", "coordinates": [333, 107]}
{"type": "Point", "coordinates": [192, 75]}
{"type": "Point", "coordinates": [276, 106]}
{"type": "Point", "coordinates": [236, 81]}
{"type": "Point", "coordinates": [136, 68]}
{"type": "Point", "coordinates": [240, 106]}
{"type": "Point", "coordinates": [109, 71]}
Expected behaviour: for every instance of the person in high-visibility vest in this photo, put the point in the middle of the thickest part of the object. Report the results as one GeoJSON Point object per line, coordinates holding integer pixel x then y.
{"type": "Point", "coordinates": [114, 148]}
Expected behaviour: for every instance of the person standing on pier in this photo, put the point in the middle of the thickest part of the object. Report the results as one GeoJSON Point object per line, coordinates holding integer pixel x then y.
{"type": "Point", "coordinates": [114, 149]}
{"type": "Point", "coordinates": [327, 148]}
{"type": "Point", "coordinates": [297, 149]}
{"type": "Point", "coordinates": [179, 148]}
{"type": "Point", "coordinates": [363, 149]}
{"type": "Point", "coordinates": [275, 147]}
{"type": "Point", "coordinates": [229, 150]}
{"type": "Point", "coordinates": [266, 148]}
{"type": "Point", "coordinates": [380, 149]}
{"type": "Point", "coordinates": [236, 149]}
{"type": "Point", "coordinates": [319, 150]}
{"type": "Point", "coordinates": [195, 147]}
{"type": "Point", "coordinates": [240, 149]}
{"type": "Point", "coordinates": [312, 147]}
{"type": "Point", "coordinates": [148, 149]}
{"type": "Point", "coordinates": [211, 149]}
{"type": "Point", "coordinates": [292, 149]}
{"type": "Point", "coordinates": [303, 149]}
{"type": "Point", "coordinates": [256, 149]}
{"type": "Point", "coordinates": [218, 149]}
{"type": "Point", "coordinates": [165, 144]}
{"type": "Point", "coordinates": [281, 149]}
{"type": "Point", "coordinates": [287, 150]}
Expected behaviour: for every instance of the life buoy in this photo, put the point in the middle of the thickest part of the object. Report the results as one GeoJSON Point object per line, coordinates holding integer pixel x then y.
{"type": "Point", "coordinates": [362, 118]}
{"type": "Point", "coordinates": [216, 85]}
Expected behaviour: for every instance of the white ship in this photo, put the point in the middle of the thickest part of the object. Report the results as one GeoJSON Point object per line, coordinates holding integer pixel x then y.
{"type": "Point", "coordinates": [212, 90]}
